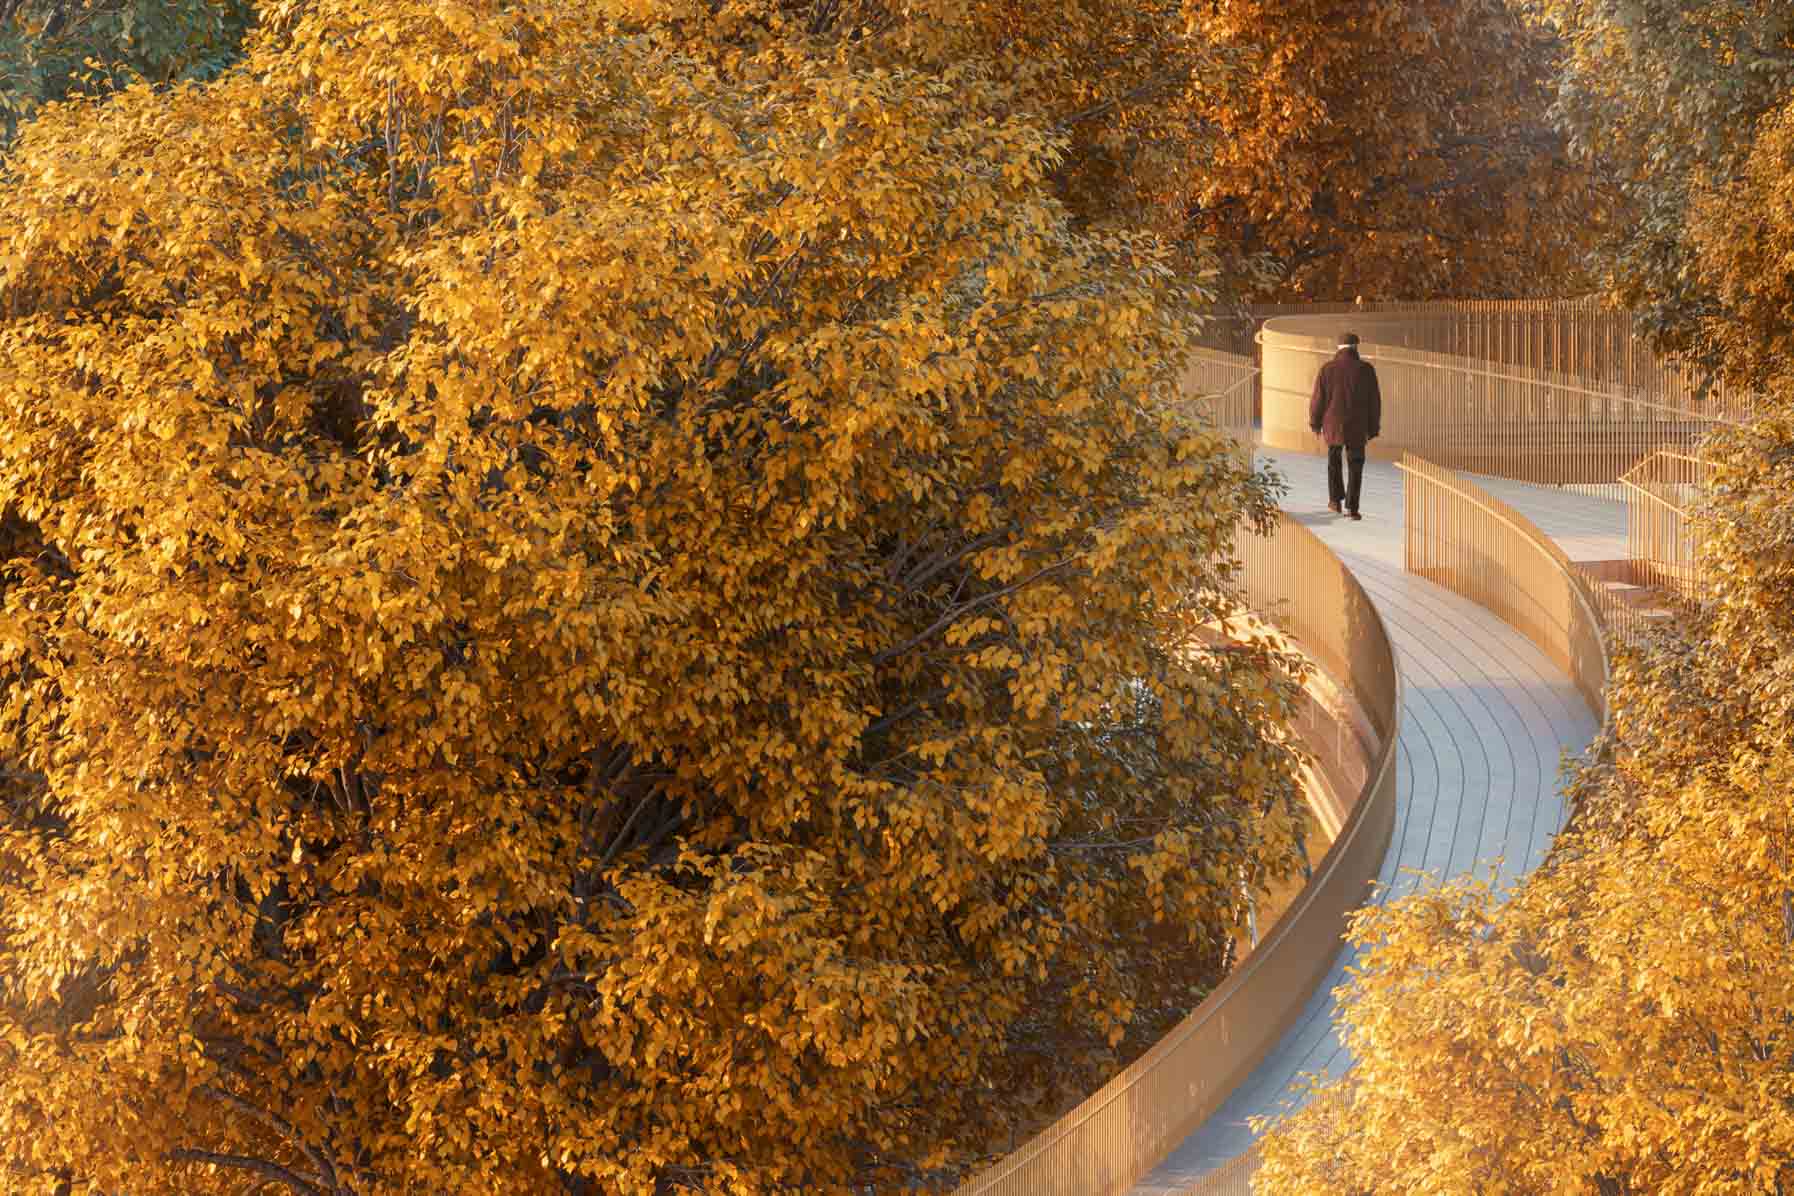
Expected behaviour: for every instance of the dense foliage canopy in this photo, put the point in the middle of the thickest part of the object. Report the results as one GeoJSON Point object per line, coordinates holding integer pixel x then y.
{"type": "Point", "coordinates": [1741, 239]}
{"type": "Point", "coordinates": [1666, 98]}
{"type": "Point", "coordinates": [598, 596]}
{"type": "Point", "coordinates": [1327, 149]}
{"type": "Point", "coordinates": [1391, 149]}
{"type": "Point", "coordinates": [604, 596]}
{"type": "Point", "coordinates": [52, 48]}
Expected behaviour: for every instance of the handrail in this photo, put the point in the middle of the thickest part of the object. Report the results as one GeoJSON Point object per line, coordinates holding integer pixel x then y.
{"type": "Point", "coordinates": [1251, 374]}
{"type": "Point", "coordinates": [1674, 456]}
{"type": "Point", "coordinates": [1124, 1129]}
{"type": "Point", "coordinates": [1662, 535]}
{"type": "Point", "coordinates": [1654, 497]}
{"type": "Point", "coordinates": [1232, 1178]}
{"type": "Point", "coordinates": [1373, 353]}
{"type": "Point", "coordinates": [1221, 356]}
{"type": "Point", "coordinates": [1240, 383]}
{"type": "Point", "coordinates": [1536, 418]}
{"type": "Point", "coordinates": [1220, 398]}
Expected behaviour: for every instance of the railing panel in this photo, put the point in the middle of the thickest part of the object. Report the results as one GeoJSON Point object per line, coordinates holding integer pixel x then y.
{"type": "Point", "coordinates": [1467, 540]}
{"type": "Point", "coordinates": [1578, 340]}
{"type": "Point", "coordinates": [1661, 537]}
{"type": "Point", "coordinates": [1232, 1178]}
{"type": "Point", "coordinates": [1527, 405]}
{"type": "Point", "coordinates": [1223, 388]}
{"type": "Point", "coordinates": [1104, 1145]}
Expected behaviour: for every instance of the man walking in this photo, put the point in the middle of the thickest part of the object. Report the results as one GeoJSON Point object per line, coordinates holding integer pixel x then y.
{"type": "Point", "coordinates": [1346, 411]}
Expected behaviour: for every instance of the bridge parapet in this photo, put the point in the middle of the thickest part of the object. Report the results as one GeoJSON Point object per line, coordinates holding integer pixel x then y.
{"type": "Point", "coordinates": [1541, 411]}
{"type": "Point", "coordinates": [1105, 1144]}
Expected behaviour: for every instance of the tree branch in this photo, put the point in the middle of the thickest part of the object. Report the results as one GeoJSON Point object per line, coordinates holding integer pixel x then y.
{"type": "Point", "coordinates": [261, 1167]}
{"type": "Point", "coordinates": [1139, 92]}
{"type": "Point", "coordinates": [958, 612]}
{"type": "Point", "coordinates": [281, 1127]}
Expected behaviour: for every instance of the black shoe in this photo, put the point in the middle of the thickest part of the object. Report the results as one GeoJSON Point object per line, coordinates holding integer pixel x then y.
{"type": "Point", "coordinates": [1334, 507]}
{"type": "Point", "coordinates": [1354, 515]}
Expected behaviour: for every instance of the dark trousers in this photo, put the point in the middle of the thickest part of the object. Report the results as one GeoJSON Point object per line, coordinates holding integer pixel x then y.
{"type": "Point", "coordinates": [1345, 489]}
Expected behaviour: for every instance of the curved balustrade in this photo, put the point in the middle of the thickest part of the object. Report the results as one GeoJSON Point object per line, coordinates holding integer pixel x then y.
{"type": "Point", "coordinates": [1467, 540]}
{"type": "Point", "coordinates": [1662, 540]}
{"type": "Point", "coordinates": [1121, 1131]}
{"type": "Point", "coordinates": [1573, 339]}
{"type": "Point", "coordinates": [1460, 387]}
{"type": "Point", "coordinates": [1222, 389]}
{"type": "Point", "coordinates": [1232, 1178]}
{"type": "Point", "coordinates": [1511, 419]}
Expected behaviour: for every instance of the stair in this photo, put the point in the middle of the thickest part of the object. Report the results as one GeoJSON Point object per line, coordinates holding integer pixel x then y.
{"type": "Point", "coordinates": [1636, 597]}
{"type": "Point", "coordinates": [1650, 602]}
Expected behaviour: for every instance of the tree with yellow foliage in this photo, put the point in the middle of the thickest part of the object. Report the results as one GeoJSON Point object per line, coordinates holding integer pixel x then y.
{"type": "Point", "coordinates": [1740, 234]}
{"type": "Point", "coordinates": [597, 597]}
{"type": "Point", "coordinates": [1391, 149]}
{"type": "Point", "coordinates": [1667, 97]}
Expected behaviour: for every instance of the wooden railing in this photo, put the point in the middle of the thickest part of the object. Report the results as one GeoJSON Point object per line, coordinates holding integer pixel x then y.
{"type": "Point", "coordinates": [1513, 419]}
{"type": "Point", "coordinates": [1223, 388]}
{"type": "Point", "coordinates": [1467, 540]}
{"type": "Point", "coordinates": [1573, 339]}
{"type": "Point", "coordinates": [1232, 1178]}
{"type": "Point", "coordinates": [1661, 537]}
{"type": "Point", "coordinates": [1105, 1144]}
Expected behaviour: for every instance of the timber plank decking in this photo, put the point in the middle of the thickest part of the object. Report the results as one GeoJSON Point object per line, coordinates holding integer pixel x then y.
{"type": "Point", "coordinates": [1486, 719]}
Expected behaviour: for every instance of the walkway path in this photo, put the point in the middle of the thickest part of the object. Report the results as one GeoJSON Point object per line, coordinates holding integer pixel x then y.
{"type": "Point", "coordinates": [1486, 718]}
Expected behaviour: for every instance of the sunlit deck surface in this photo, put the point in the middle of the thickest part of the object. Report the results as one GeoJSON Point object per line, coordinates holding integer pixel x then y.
{"type": "Point", "coordinates": [1486, 719]}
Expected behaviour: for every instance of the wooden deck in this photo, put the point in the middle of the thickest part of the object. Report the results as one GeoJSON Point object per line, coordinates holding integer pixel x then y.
{"type": "Point", "coordinates": [1485, 723]}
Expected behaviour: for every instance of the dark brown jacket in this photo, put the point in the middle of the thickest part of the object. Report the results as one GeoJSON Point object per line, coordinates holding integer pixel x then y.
{"type": "Point", "coordinates": [1347, 407]}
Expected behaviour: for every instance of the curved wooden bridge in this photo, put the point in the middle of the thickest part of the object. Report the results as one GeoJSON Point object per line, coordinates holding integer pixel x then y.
{"type": "Point", "coordinates": [1486, 718]}
{"type": "Point", "coordinates": [1467, 617]}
